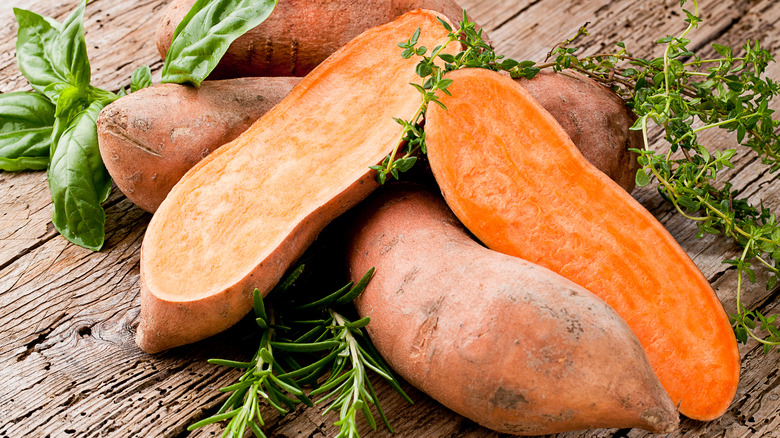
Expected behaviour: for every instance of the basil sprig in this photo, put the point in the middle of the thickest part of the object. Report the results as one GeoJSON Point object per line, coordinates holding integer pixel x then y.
{"type": "Point", "coordinates": [54, 128]}
{"type": "Point", "coordinates": [206, 32]}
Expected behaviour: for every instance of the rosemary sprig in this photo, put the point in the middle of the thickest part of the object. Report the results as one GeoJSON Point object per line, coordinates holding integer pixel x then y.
{"type": "Point", "coordinates": [260, 381]}
{"type": "Point", "coordinates": [684, 95]}
{"type": "Point", "coordinates": [300, 342]}
{"type": "Point", "coordinates": [348, 388]}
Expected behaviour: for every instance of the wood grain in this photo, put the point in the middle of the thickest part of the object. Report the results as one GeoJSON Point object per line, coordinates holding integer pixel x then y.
{"type": "Point", "coordinates": [68, 362]}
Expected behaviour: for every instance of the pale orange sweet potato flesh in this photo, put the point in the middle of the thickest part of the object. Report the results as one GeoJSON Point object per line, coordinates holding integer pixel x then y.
{"type": "Point", "coordinates": [299, 34]}
{"type": "Point", "coordinates": [509, 344]}
{"type": "Point", "coordinates": [149, 139]}
{"type": "Point", "coordinates": [239, 218]}
{"type": "Point", "coordinates": [514, 178]}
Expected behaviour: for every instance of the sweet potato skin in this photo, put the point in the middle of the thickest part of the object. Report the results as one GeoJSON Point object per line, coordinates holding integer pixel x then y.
{"type": "Point", "coordinates": [149, 139]}
{"type": "Point", "coordinates": [299, 34]}
{"type": "Point", "coordinates": [528, 192]}
{"type": "Point", "coordinates": [595, 118]}
{"type": "Point", "coordinates": [504, 342]}
{"type": "Point", "coordinates": [239, 218]}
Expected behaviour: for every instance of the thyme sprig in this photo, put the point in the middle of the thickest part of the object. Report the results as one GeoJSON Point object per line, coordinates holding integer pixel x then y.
{"type": "Point", "coordinates": [303, 343]}
{"type": "Point", "coordinates": [431, 69]}
{"type": "Point", "coordinates": [683, 94]}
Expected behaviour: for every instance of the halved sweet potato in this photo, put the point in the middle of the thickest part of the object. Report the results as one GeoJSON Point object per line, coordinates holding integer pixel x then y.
{"type": "Point", "coordinates": [514, 178]}
{"type": "Point", "coordinates": [239, 218]}
{"type": "Point", "coordinates": [595, 118]}
{"type": "Point", "coordinates": [299, 34]}
{"type": "Point", "coordinates": [506, 343]}
{"type": "Point", "coordinates": [149, 139]}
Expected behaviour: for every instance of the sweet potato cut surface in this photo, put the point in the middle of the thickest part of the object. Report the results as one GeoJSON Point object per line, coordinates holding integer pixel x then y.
{"type": "Point", "coordinates": [595, 118]}
{"type": "Point", "coordinates": [514, 178]}
{"type": "Point", "coordinates": [239, 218]}
{"type": "Point", "coordinates": [299, 34]}
{"type": "Point", "coordinates": [149, 139]}
{"type": "Point", "coordinates": [509, 344]}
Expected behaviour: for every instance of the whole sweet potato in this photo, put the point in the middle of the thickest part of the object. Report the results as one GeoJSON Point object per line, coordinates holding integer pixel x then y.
{"type": "Point", "coordinates": [151, 138]}
{"type": "Point", "coordinates": [299, 34]}
{"type": "Point", "coordinates": [595, 118]}
{"type": "Point", "coordinates": [509, 344]}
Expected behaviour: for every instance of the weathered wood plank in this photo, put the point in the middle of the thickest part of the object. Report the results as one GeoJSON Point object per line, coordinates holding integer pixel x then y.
{"type": "Point", "coordinates": [67, 357]}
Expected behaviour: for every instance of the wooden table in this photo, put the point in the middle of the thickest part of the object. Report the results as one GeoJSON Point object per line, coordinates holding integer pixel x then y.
{"type": "Point", "coordinates": [68, 364]}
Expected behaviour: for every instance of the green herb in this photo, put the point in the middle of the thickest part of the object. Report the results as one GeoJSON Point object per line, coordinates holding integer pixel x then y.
{"type": "Point", "coordinates": [206, 32]}
{"type": "Point", "coordinates": [53, 58]}
{"type": "Point", "coordinates": [261, 380]}
{"type": "Point", "coordinates": [58, 132]}
{"type": "Point", "coordinates": [675, 91]}
{"type": "Point", "coordinates": [78, 181]}
{"type": "Point", "coordinates": [26, 120]}
{"type": "Point", "coordinates": [349, 391]}
{"type": "Point", "coordinates": [142, 78]}
{"type": "Point", "coordinates": [301, 342]}
{"type": "Point", "coordinates": [412, 140]}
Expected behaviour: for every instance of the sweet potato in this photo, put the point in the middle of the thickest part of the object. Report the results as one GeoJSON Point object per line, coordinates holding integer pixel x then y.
{"type": "Point", "coordinates": [509, 344]}
{"type": "Point", "coordinates": [240, 217]}
{"type": "Point", "coordinates": [299, 34]}
{"type": "Point", "coordinates": [514, 178]}
{"type": "Point", "coordinates": [595, 118]}
{"type": "Point", "coordinates": [151, 138]}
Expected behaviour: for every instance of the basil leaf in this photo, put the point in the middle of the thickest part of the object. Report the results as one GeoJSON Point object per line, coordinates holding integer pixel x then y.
{"type": "Point", "coordinates": [23, 163]}
{"type": "Point", "coordinates": [26, 120]}
{"type": "Point", "coordinates": [69, 103]}
{"type": "Point", "coordinates": [206, 32]}
{"type": "Point", "coordinates": [142, 78]}
{"type": "Point", "coordinates": [51, 53]}
{"type": "Point", "coordinates": [35, 45]}
{"type": "Point", "coordinates": [70, 99]}
{"type": "Point", "coordinates": [79, 182]}
{"type": "Point", "coordinates": [70, 58]}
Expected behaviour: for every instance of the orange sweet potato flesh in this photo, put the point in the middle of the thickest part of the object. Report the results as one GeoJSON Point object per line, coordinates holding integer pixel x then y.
{"type": "Point", "coordinates": [514, 178]}
{"type": "Point", "coordinates": [595, 118]}
{"type": "Point", "coordinates": [299, 34]}
{"type": "Point", "coordinates": [240, 217]}
{"type": "Point", "coordinates": [149, 139]}
{"type": "Point", "coordinates": [506, 343]}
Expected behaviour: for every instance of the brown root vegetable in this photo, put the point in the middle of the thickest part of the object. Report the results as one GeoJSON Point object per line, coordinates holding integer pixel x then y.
{"type": "Point", "coordinates": [506, 343]}
{"type": "Point", "coordinates": [514, 178]}
{"type": "Point", "coordinates": [595, 118]}
{"type": "Point", "coordinates": [149, 139]}
{"type": "Point", "coordinates": [242, 216]}
{"type": "Point", "coordinates": [299, 34]}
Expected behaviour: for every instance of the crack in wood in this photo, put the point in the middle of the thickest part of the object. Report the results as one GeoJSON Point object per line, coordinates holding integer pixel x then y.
{"type": "Point", "coordinates": [25, 416]}
{"type": "Point", "coordinates": [31, 346]}
{"type": "Point", "coordinates": [24, 251]}
{"type": "Point", "coordinates": [515, 15]}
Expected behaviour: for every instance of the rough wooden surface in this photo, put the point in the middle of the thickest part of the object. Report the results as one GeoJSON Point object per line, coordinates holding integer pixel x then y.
{"type": "Point", "coordinates": [68, 363]}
